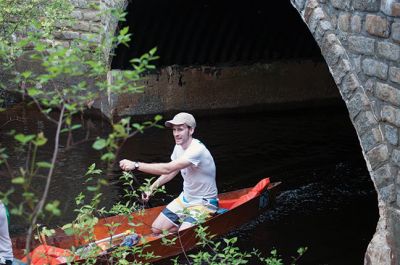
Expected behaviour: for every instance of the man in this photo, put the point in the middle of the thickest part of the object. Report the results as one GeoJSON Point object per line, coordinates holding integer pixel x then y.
{"type": "Point", "coordinates": [6, 253]}
{"type": "Point", "coordinates": [197, 167]}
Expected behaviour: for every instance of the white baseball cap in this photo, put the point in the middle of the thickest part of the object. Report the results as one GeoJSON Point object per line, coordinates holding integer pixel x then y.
{"type": "Point", "coordinates": [182, 118]}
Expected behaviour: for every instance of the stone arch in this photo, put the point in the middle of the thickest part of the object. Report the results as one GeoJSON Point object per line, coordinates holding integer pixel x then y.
{"type": "Point", "coordinates": [361, 73]}
{"type": "Point", "coordinates": [359, 40]}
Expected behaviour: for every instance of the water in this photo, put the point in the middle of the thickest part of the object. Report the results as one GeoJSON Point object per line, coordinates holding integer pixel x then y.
{"type": "Point", "coordinates": [327, 200]}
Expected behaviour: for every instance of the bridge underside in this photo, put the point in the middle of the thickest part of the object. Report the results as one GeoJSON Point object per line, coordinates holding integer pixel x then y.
{"type": "Point", "coordinates": [210, 32]}
{"type": "Point", "coordinates": [207, 48]}
{"type": "Point", "coordinates": [240, 54]}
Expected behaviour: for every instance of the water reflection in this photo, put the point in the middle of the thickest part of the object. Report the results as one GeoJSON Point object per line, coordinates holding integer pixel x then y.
{"type": "Point", "coordinates": [326, 188]}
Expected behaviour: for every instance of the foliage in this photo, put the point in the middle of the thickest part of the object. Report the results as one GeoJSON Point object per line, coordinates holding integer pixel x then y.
{"type": "Point", "coordinates": [122, 130]}
{"type": "Point", "coordinates": [274, 258]}
{"type": "Point", "coordinates": [225, 251]}
{"type": "Point", "coordinates": [17, 17]}
{"type": "Point", "coordinates": [67, 81]}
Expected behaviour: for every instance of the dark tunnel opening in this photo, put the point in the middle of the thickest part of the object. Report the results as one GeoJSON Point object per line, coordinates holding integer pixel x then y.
{"type": "Point", "coordinates": [315, 152]}
{"type": "Point", "coordinates": [215, 33]}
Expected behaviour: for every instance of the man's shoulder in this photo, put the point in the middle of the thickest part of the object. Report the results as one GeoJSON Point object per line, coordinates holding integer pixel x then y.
{"type": "Point", "coordinates": [196, 143]}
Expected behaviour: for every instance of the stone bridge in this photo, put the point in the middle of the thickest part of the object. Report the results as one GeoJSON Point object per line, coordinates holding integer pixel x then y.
{"type": "Point", "coordinates": [359, 40]}
{"type": "Point", "coordinates": [360, 44]}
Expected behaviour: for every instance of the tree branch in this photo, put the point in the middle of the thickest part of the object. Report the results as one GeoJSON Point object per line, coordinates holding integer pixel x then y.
{"type": "Point", "coordinates": [42, 201]}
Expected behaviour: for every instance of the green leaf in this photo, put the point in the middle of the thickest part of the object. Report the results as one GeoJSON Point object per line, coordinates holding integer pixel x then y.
{"type": "Point", "coordinates": [69, 231]}
{"type": "Point", "coordinates": [44, 164]}
{"type": "Point", "coordinates": [68, 120]}
{"type": "Point", "coordinates": [26, 74]}
{"type": "Point", "coordinates": [138, 127]}
{"type": "Point", "coordinates": [92, 166]}
{"type": "Point", "coordinates": [108, 156]}
{"type": "Point", "coordinates": [119, 129]}
{"type": "Point", "coordinates": [24, 138]}
{"type": "Point", "coordinates": [47, 111]}
{"type": "Point", "coordinates": [153, 51]}
{"type": "Point", "coordinates": [135, 60]}
{"type": "Point", "coordinates": [66, 226]}
{"type": "Point", "coordinates": [92, 188]}
{"type": "Point", "coordinates": [71, 107]}
{"type": "Point", "coordinates": [34, 92]}
{"type": "Point", "coordinates": [28, 195]}
{"type": "Point", "coordinates": [96, 171]}
{"type": "Point", "coordinates": [48, 232]}
{"type": "Point", "coordinates": [125, 121]}
{"type": "Point", "coordinates": [52, 207]}
{"type": "Point", "coordinates": [18, 180]}
{"type": "Point", "coordinates": [76, 126]}
{"type": "Point", "coordinates": [79, 199]}
{"type": "Point", "coordinates": [40, 139]}
{"type": "Point", "coordinates": [103, 182]}
{"type": "Point", "coordinates": [17, 211]}
{"type": "Point", "coordinates": [99, 144]}
{"type": "Point", "coordinates": [124, 31]}
{"type": "Point", "coordinates": [40, 47]}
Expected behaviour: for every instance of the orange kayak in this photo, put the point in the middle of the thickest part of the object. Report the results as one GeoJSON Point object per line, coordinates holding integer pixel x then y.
{"type": "Point", "coordinates": [236, 208]}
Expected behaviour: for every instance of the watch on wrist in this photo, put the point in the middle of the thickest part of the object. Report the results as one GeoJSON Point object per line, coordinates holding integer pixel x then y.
{"type": "Point", "coordinates": [135, 165]}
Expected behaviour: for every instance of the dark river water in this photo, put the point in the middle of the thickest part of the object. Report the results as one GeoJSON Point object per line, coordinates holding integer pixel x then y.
{"type": "Point", "coordinates": [327, 200]}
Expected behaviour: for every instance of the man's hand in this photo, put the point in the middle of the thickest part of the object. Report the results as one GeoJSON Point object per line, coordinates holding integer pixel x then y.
{"type": "Point", "coordinates": [126, 164]}
{"type": "Point", "coordinates": [146, 196]}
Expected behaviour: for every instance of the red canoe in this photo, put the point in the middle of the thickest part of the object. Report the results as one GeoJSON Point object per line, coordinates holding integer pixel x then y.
{"type": "Point", "coordinates": [241, 206]}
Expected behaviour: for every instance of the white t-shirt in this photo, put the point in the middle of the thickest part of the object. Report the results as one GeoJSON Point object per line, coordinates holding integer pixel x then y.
{"type": "Point", "coordinates": [198, 178]}
{"type": "Point", "coordinates": [5, 242]}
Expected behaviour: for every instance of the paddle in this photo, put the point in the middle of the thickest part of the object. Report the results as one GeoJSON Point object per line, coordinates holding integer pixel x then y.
{"type": "Point", "coordinates": [81, 251]}
{"type": "Point", "coordinates": [127, 232]}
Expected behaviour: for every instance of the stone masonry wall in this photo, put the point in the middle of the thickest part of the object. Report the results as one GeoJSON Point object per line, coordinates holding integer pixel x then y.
{"type": "Point", "coordinates": [93, 21]}
{"type": "Point", "coordinates": [360, 41]}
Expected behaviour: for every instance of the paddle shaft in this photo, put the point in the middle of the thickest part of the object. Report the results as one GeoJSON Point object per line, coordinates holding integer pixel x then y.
{"type": "Point", "coordinates": [112, 237]}
{"type": "Point", "coordinates": [106, 239]}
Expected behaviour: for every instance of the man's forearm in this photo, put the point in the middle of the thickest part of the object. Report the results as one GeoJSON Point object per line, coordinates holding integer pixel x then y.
{"type": "Point", "coordinates": [155, 168]}
{"type": "Point", "coordinates": [158, 183]}
{"type": "Point", "coordinates": [151, 168]}
{"type": "Point", "coordinates": [162, 180]}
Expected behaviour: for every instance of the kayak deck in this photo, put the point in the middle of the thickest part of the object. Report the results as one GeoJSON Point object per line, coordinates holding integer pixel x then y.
{"type": "Point", "coordinates": [242, 205]}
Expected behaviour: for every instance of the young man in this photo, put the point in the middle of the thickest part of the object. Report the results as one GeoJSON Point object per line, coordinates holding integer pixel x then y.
{"type": "Point", "coordinates": [197, 167]}
{"type": "Point", "coordinates": [6, 253]}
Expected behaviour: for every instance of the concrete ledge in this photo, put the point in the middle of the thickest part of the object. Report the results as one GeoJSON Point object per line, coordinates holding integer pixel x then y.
{"type": "Point", "coordinates": [215, 88]}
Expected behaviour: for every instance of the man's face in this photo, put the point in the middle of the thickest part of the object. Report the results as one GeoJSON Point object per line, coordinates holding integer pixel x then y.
{"type": "Point", "coordinates": [182, 134]}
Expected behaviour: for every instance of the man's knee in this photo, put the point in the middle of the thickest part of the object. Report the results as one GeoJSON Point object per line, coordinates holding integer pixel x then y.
{"type": "Point", "coordinates": [162, 224]}
{"type": "Point", "coordinates": [156, 230]}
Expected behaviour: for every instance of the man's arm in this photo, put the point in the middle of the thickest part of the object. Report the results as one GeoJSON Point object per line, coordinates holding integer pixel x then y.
{"type": "Point", "coordinates": [158, 183]}
{"type": "Point", "coordinates": [162, 180]}
{"type": "Point", "coordinates": [156, 168]}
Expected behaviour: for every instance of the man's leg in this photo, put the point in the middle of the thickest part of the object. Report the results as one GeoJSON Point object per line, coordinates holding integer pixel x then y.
{"type": "Point", "coordinates": [162, 223]}
{"type": "Point", "coordinates": [168, 219]}
{"type": "Point", "coordinates": [185, 225]}
{"type": "Point", "coordinates": [196, 214]}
